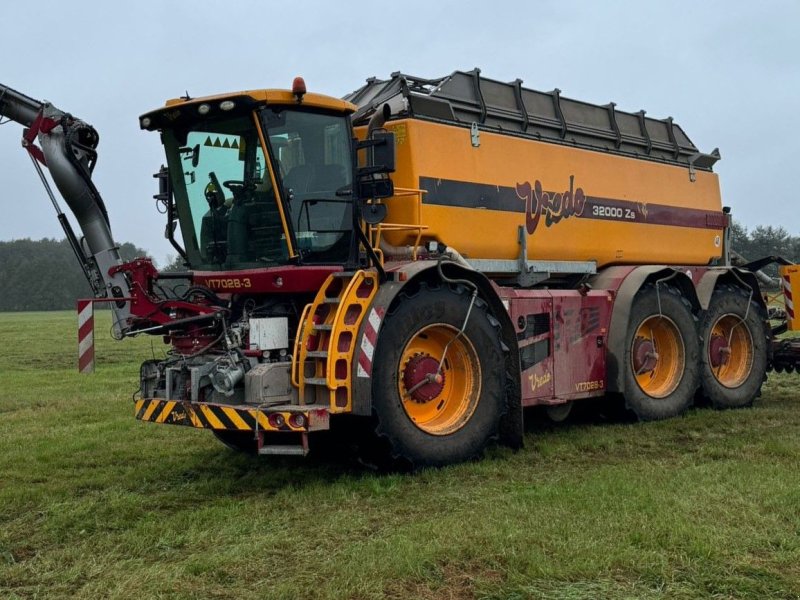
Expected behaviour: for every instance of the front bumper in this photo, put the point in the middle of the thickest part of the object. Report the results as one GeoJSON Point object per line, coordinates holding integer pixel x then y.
{"type": "Point", "coordinates": [205, 415]}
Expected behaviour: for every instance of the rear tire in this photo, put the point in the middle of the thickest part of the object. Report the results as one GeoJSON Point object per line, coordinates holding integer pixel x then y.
{"type": "Point", "coordinates": [453, 419]}
{"type": "Point", "coordinates": [661, 359]}
{"type": "Point", "coordinates": [734, 339]}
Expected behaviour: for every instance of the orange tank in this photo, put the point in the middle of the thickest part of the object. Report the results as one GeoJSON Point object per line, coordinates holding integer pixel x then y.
{"type": "Point", "coordinates": [582, 182]}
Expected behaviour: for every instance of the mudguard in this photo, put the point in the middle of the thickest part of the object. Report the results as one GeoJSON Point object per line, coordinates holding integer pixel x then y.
{"type": "Point", "coordinates": [626, 282]}
{"type": "Point", "coordinates": [733, 275]}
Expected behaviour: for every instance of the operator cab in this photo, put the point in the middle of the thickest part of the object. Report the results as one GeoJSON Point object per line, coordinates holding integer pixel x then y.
{"type": "Point", "coordinates": [260, 178]}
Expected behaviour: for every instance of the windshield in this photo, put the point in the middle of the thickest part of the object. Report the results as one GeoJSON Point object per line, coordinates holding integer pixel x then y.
{"type": "Point", "coordinates": [228, 213]}
{"type": "Point", "coordinates": [313, 161]}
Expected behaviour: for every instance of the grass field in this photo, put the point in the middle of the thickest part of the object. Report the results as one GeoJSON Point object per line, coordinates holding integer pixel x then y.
{"type": "Point", "coordinates": [95, 504]}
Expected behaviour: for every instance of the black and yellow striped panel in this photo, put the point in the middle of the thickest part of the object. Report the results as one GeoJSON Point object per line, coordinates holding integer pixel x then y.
{"type": "Point", "coordinates": [217, 416]}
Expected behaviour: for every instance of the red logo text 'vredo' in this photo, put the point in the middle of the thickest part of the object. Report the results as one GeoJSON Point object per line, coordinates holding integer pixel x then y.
{"type": "Point", "coordinates": [555, 206]}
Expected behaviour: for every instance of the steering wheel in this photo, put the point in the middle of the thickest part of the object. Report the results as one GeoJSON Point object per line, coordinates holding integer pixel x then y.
{"type": "Point", "coordinates": [234, 184]}
{"type": "Point", "coordinates": [242, 190]}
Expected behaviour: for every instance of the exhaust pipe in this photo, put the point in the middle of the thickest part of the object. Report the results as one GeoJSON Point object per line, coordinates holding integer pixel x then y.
{"type": "Point", "coordinates": [378, 118]}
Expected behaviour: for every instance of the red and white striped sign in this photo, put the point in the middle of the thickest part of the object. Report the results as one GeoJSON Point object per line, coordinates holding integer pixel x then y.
{"type": "Point", "coordinates": [85, 336]}
{"type": "Point", "coordinates": [368, 342]}
{"type": "Point", "coordinates": [787, 295]}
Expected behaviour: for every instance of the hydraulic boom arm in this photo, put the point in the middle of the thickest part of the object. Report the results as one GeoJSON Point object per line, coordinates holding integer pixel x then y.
{"type": "Point", "coordinates": [67, 147]}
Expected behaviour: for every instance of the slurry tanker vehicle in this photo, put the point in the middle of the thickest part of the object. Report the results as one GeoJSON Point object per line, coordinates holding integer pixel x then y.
{"type": "Point", "coordinates": [419, 261]}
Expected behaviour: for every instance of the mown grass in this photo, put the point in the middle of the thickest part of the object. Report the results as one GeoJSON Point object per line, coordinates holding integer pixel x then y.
{"type": "Point", "coordinates": [95, 504]}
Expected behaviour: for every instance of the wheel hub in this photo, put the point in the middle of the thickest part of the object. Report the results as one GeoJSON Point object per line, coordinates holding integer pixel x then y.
{"type": "Point", "coordinates": [422, 380]}
{"type": "Point", "coordinates": [645, 356]}
{"type": "Point", "coordinates": [718, 350]}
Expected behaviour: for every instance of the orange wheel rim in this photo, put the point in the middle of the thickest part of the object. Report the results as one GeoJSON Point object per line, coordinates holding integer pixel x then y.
{"type": "Point", "coordinates": [439, 402]}
{"type": "Point", "coordinates": [658, 356]}
{"type": "Point", "coordinates": [730, 351]}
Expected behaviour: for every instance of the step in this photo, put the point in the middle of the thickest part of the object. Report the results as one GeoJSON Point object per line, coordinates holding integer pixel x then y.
{"type": "Point", "coordinates": [317, 354]}
{"type": "Point", "coordinates": [277, 450]}
{"type": "Point", "coordinates": [344, 273]}
{"type": "Point", "coordinates": [332, 300]}
{"type": "Point", "coordinates": [316, 381]}
{"type": "Point", "coordinates": [323, 326]}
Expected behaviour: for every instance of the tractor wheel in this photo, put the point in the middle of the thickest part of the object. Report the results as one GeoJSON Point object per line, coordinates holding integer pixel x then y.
{"type": "Point", "coordinates": [734, 340]}
{"type": "Point", "coordinates": [238, 441]}
{"type": "Point", "coordinates": [661, 360]}
{"type": "Point", "coordinates": [431, 416]}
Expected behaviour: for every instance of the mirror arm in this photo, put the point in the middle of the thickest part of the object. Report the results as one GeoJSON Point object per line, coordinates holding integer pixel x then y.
{"type": "Point", "coordinates": [372, 256]}
{"type": "Point", "coordinates": [165, 196]}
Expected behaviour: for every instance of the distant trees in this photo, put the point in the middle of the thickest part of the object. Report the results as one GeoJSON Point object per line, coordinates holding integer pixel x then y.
{"type": "Point", "coordinates": [44, 275]}
{"type": "Point", "coordinates": [175, 263]}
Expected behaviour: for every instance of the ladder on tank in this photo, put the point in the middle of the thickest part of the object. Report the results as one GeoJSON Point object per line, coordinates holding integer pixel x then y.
{"type": "Point", "coordinates": [325, 343]}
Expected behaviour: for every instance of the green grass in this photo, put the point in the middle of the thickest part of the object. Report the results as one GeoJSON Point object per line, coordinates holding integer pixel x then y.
{"type": "Point", "coordinates": [96, 504]}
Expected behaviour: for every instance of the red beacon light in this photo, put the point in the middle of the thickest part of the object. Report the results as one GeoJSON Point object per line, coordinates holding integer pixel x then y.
{"type": "Point", "coordinates": [299, 88]}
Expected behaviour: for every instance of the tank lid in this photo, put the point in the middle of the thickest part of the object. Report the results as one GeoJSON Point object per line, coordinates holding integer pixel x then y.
{"type": "Point", "coordinates": [465, 97]}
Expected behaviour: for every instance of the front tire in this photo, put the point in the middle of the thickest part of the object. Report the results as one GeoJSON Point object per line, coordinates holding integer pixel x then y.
{"type": "Point", "coordinates": [661, 361]}
{"type": "Point", "coordinates": [734, 338]}
{"type": "Point", "coordinates": [431, 417]}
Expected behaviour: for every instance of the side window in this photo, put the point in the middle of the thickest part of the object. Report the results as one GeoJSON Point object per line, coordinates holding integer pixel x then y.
{"type": "Point", "coordinates": [336, 146]}
{"type": "Point", "coordinates": [312, 155]}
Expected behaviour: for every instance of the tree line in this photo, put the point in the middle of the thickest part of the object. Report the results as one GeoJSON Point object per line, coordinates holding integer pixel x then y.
{"type": "Point", "coordinates": [44, 275]}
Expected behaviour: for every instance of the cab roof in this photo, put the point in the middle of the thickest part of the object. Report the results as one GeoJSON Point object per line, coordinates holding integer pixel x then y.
{"type": "Point", "coordinates": [174, 109]}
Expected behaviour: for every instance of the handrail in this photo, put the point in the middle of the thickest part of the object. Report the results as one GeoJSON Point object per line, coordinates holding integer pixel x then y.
{"type": "Point", "coordinates": [375, 231]}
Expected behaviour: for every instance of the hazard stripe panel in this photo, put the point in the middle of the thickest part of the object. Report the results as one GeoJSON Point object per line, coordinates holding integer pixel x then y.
{"type": "Point", "coordinates": [204, 415]}
{"type": "Point", "coordinates": [790, 279]}
{"type": "Point", "coordinates": [85, 336]}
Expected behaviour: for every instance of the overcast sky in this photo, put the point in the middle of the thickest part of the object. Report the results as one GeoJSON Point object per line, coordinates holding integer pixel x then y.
{"type": "Point", "coordinates": [728, 72]}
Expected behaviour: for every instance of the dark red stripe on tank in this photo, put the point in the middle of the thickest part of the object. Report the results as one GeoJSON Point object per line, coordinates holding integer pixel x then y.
{"type": "Point", "coordinates": [465, 194]}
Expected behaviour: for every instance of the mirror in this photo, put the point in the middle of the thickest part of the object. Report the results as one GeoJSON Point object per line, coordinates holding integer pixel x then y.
{"type": "Point", "coordinates": [169, 230]}
{"type": "Point", "coordinates": [383, 152]}
{"type": "Point", "coordinates": [375, 188]}
{"type": "Point", "coordinates": [193, 152]}
{"type": "Point", "coordinates": [372, 214]}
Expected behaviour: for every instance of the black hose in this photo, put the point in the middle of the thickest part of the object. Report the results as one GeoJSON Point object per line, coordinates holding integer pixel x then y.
{"type": "Point", "coordinates": [74, 129]}
{"type": "Point", "coordinates": [205, 292]}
